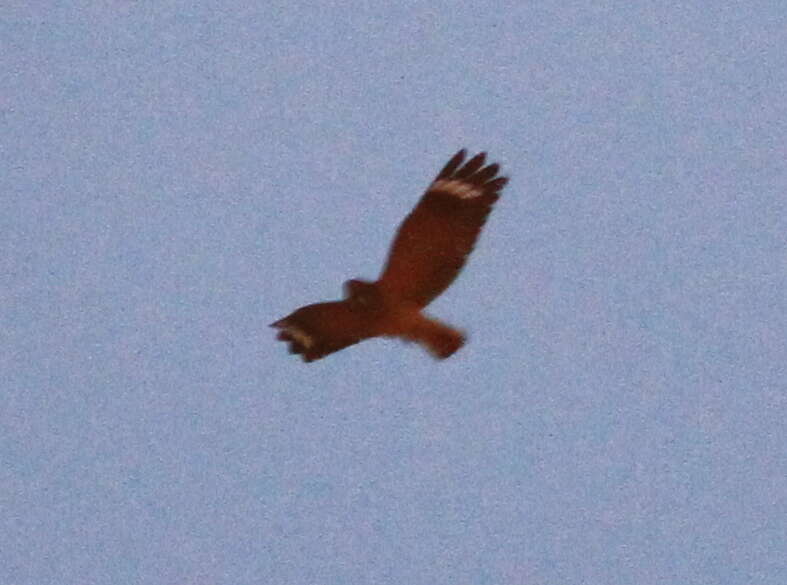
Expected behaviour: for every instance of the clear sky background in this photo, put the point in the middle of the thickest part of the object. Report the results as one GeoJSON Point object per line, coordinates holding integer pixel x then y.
{"type": "Point", "coordinates": [176, 175]}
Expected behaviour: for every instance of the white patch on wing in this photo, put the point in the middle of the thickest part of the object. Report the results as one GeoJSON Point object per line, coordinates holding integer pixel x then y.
{"type": "Point", "coordinates": [461, 189]}
{"type": "Point", "coordinates": [299, 335]}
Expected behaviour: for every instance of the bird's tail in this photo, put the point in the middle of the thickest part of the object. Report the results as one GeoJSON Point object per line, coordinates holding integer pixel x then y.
{"type": "Point", "coordinates": [436, 337]}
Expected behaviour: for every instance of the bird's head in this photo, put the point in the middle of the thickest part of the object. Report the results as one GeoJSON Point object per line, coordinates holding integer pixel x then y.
{"type": "Point", "coordinates": [362, 292]}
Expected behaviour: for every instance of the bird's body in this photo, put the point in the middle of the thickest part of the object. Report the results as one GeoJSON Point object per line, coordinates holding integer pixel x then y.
{"type": "Point", "coordinates": [428, 252]}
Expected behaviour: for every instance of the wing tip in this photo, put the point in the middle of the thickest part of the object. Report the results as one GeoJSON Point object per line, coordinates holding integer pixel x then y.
{"type": "Point", "coordinates": [299, 339]}
{"type": "Point", "coordinates": [497, 184]}
{"type": "Point", "coordinates": [470, 179]}
{"type": "Point", "coordinates": [453, 163]}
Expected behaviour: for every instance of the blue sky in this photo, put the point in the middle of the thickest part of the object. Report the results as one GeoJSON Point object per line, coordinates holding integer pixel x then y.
{"type": "Point", "coordinates": [178, 175]}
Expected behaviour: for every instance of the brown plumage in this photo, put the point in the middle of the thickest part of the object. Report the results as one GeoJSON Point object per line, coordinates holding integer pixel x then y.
{"type": "Point", "coordinates": [428, 252]}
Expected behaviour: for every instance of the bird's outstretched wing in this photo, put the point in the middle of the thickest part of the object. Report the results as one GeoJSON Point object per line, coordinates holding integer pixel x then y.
{"type": "Point", "coordinates": [433, 242]}
{"type": "Point", "coordinates": [315, 331]}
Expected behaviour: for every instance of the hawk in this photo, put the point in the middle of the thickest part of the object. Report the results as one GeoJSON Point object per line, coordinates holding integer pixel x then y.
{"type": "Point", "coordinates": [428, 252]}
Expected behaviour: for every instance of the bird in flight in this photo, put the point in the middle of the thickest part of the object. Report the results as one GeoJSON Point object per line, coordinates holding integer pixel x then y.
{"type": "Point", "coordinates": [428, 252]}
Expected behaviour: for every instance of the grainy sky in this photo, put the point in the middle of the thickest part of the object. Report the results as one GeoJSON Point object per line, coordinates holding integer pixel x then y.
{"type": "Point", "coordinates": [177, 175]}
